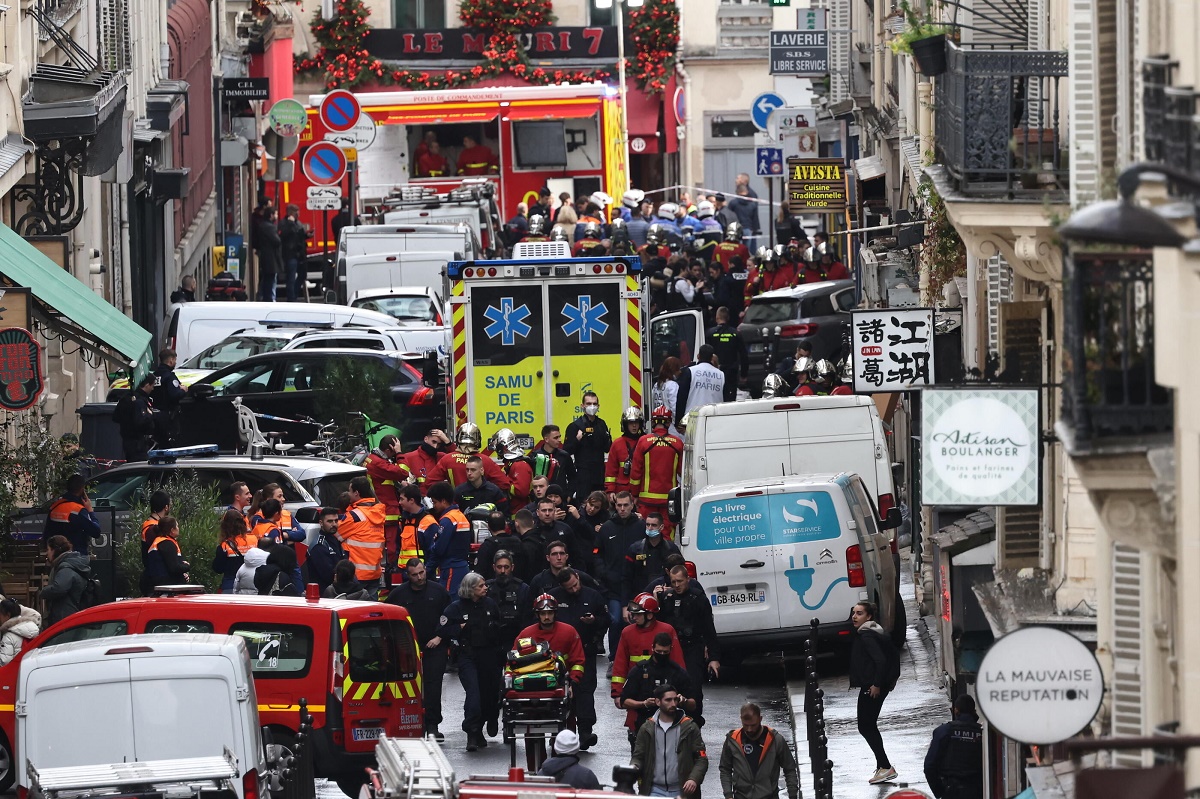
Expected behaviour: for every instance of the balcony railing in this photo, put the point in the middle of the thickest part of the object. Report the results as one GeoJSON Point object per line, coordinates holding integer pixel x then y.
{"type": "Point", "coordinates": [1156, 77]}
{"type": "Point", "coordinates": [1109, 389]}
{"type": "Point", "coordinates": [999, 115]}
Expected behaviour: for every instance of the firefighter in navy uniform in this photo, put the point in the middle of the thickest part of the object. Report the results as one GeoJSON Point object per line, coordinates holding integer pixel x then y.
{"type": "Point", "coordinates": [687, 609]}
{"type": "Point", "coordinates": [954, 762]}
{"type": "Point", "coordinates": [511, 595]}
{"type": "Point", "coordinates": [586, 610]}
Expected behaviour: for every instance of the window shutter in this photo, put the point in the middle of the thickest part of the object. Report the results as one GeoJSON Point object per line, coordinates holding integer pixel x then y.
{"type": "Point", "coordinates": [1021, 335]}
{"type": "Point", "coordinates": [1092, 64]}
{"type": "Point", "coordinates": [999, 292]}
{"type": "Point", "coordinates": [1019, 532]}
{"type": "Point", "coordinates": [1127, 698]}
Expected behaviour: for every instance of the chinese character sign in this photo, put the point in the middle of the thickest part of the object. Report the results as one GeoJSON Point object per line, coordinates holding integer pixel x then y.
{"type": "Point", "coordinates": [21, 380]}
{"type": "Point", "coordinates": [892, 349]}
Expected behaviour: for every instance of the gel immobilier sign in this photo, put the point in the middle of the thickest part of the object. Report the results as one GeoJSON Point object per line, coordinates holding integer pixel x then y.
{"type": "Point", "coordinates": [1039, 685]}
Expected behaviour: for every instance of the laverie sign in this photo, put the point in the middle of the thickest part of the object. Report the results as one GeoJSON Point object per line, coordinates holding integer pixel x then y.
{"type": "Point", "coordinates": [980, 447]}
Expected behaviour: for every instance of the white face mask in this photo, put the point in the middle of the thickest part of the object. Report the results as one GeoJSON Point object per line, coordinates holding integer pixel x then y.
{"type": "Point", "coordinates": [591, 410]}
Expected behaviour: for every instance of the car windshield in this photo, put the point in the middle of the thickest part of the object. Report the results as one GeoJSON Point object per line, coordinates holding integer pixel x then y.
{"type": "Point", "coordinates": [404, 309]}
{"type": "Point", "coordinates": [232, 350]}
{"type": "Point", "coordinates": [327, 489]}
{"type": "Point", "coordinates": [771, 311]}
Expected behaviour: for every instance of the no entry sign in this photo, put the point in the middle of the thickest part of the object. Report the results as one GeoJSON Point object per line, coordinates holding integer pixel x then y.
{"type": "Point", "coordinates": [340, 110]}
{"type": "Point", "coordinates": [324, 163]}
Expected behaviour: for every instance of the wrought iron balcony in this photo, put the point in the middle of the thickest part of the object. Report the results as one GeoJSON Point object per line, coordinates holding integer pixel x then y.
{"type": "Point", "coordinates": [1109, 391]}
{"type": "Point", "coordinates": [999, 115]}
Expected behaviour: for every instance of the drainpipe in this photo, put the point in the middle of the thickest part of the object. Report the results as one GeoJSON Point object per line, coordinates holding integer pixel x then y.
{"type": "Point", "coordinates": [686, 178]}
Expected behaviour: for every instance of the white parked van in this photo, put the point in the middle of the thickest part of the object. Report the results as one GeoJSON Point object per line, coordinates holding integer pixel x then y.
{"type": "Point", "coordinates": [382, 271]}
{"type": "Point", "coordinates": [774, 554]}
{"type": "Point", "coordinates": [139, 698]}
{"type": "Point", "coordinates": [195, 326]}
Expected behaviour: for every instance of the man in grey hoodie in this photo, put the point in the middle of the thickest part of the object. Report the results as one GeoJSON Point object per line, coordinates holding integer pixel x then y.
{"type": "Point", "coordinates": [670, 730]}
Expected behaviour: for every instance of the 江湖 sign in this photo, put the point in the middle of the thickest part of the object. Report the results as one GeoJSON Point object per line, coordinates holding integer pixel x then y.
{"type": "Point", "coordinates": [1039, 685]}
{"type": "Point", "coordinates": [892, 349]}
{"type": "Point", "coordinates": [816, 185]}
{"type": "Point", "coordinates": [21, 378]}
{"type": "Point", "coordinates": [980, 446]}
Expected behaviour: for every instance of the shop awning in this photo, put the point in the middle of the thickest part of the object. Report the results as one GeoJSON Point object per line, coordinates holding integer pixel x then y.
{"type": "Point", "coordinates": [571, 109]}
{"type": "Point", "coordinates": [448, 113]}
{"type": "Point", "coordinates": [72, 309]}
{"type": "Point", "coordinates": [645, 113]}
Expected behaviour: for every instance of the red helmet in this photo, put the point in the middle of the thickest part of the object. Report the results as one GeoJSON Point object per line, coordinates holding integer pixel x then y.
{"type": "Point", "coordinates": [644, 602]}
{"type": "Point", "coordinates": [661, 415]}
{"type": "Point", "coordinates": [545, 602]}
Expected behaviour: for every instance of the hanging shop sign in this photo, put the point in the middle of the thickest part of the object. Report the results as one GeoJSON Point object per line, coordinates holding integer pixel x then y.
{"type": "Point", "coordinates": [892, 349]}
{"type": "Point", "coordinates": [980, 446]}
{"type": "Point", "coordinates": [457, 44]}
{"type": "Point", "coordinates": [817, 185]}
{"type": "Point", "coordinates": [21, 378]}
{"type": "Point", "coordinates": [1039, 685]}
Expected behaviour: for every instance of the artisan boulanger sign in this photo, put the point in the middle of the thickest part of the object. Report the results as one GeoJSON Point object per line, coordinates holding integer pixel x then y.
{"type": "Point", "coordinates": [817, 185]}
{"type": "Point", "coordinates": [467, 44]}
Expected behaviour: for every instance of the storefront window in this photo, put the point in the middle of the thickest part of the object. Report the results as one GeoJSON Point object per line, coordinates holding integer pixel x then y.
{"type": "Point", "coordinates": [601, 16]}
{"type": "Point", "coordinates": [410, 14]}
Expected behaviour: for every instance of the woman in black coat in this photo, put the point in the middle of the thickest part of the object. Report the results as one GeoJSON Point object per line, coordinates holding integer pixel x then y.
{"type": "Point", "coordinates": [874, 669]}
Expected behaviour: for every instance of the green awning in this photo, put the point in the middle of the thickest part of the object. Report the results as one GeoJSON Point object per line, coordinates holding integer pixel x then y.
{"type": "Point", "coordinates": [73, 309]}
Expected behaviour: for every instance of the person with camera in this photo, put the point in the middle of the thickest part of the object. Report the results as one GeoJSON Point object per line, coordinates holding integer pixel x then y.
{"type": "Point", "coordinates": [688, 610]}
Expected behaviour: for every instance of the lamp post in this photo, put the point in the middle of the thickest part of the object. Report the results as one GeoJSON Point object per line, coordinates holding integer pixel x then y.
{"type": "Point", "coordinates": [622, 91]}
{"type": "Point", "coordinates": [1123, 222]}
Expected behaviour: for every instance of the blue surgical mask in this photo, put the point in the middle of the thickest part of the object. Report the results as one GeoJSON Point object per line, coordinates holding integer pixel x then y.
{"type": "Point", "coordinates": [653, 532]}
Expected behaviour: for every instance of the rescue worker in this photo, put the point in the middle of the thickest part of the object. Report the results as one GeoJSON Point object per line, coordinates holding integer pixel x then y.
{"type": "Point", "coordinates": [477, 491]}
{"type": "Point", "coordinates": [731, 353]}
{"type": "Point", "coordinates": [732, 246]}
{"type": "Point", "coordinates": [656, 462]}
{"type": "Point", "coordinates": [619, 465]}
{"type": "Point", "coordinates": [134, 415]}
{"type": "Point", "coordinates": [473, 621]}
{"type": "Point", "coordinates": [616, 536]}
{"type": "Point", "coordinates": [447, 552]}
{"type": "Point", "coordinates": [549, 458]}
{"type": "Point", "coordinates": [688, 610]}
{"type": "Point", "coordinates": [431, 163]}
{"type": "Point", "coordinates": [646, 559]}
{"type": "Point", "coordinates": [272, 534]}
{"type": "Point", "coordinates": [661, 668]}
{"type": "Point", "coordinates": [452, 467]}
{"type": "Point", "coordinates": [324, 554]}
{"type": "Point", "coordinates": [593, 211]}
{"type": "Point", "coordinates": [590, 245]}
{"type": "Point", "coordinates": [558, 234]}
{"type": "Point", "coordinates": [361, 533]}
{"type": "Point", "coordinates": [71, 516]}
{"type": "Point", "coordinates": [426, 602]}
{"type": "Point", "coordinates": [518, 468]}
{"type": "Point", "coordinates": [476, 158]}
{"type": "Point", "coordinates": [164, 560]}
{"type": "Point", "coordinates": [265, 522]}
{"type": "Point", "coordinates": [833, 268]}
{"type": "Point", "coordinates": [415, 524]}
{"type": "Point", "coordinates": [774, 386]}
{"type": "Point", "coordinates": [386, 467]}
{"type": "Point", "coordinates": [769, 275]}
{"type": "Point", "coordinates": [656, 245]}
{"type": "Point", "coordinates": [501, 538]}
{"type": "Point", "coordinates": [160, 506]}
{"type": "Point", "coordinates": [511, 596]}
{"type": "Point", "coordinates": [584, 608]}
{"type": "Point", "coordinates": [588, 441]}
{"type": "Point", "coordinates": [845, 378]}
{"type": "Point", "coordinates": [619, 242]}
{"type": "Point", "coordinates": [804, 368]}
{"type": "Point", "coordinates": [168, 393]}
{"type": "Point", "coordinates": [665, 216]}
{"type": "Point", "coordinates": [562, 638]}
{"type": "Point", "coordinates": [240, 500]}
{"type": "Point", "coordinates": [537, 230]}
{"type": "Point", "coordinates": [637, 642]}
{"type": "Point", "coordinates": [423, 460]}
{"type": "Point", "coordinates": [701, 383]}
{"type": "Point", "coordinates": [954, 762]}
{"type": "Point", "coordinates": [752, 757]}
{"type": "Point", "coordinates": [825, 378]}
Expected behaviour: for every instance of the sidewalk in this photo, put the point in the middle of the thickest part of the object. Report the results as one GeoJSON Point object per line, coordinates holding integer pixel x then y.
{"type": "Point", "coordinates": [909, 716]}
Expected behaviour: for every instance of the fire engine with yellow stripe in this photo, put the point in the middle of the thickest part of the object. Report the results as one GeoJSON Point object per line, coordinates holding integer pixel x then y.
{"type": "Point", "coordinates": [533, 333]}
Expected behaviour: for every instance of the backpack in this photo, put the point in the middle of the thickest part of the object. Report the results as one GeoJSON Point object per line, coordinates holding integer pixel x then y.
{"type": "Point", "coordinates": [91, 596]}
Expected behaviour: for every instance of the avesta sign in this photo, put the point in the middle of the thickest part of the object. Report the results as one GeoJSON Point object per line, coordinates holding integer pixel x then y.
{"type": "Point", "coordinates": [817, 185]}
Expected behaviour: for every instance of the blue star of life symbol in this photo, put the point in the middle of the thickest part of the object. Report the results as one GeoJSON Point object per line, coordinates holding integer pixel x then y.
{"type": "Point", "coordinates": [507, 322]}
{"type": "Point", "coordinates": [584, 319]}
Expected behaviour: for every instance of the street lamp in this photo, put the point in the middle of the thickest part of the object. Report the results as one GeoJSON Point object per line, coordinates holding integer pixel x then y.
{"type": "Point", "coordinates": [1124, 222]}
{"type": "Point", "coordinates": [619, 21]}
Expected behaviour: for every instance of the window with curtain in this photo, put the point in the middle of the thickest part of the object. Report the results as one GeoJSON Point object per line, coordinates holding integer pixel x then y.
{"type": "Point", "coordinates": [416, 14]}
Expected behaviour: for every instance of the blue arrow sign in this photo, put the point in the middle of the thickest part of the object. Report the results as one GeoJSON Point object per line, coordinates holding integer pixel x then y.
{"type": "Point", "coordinates": [761, 108]}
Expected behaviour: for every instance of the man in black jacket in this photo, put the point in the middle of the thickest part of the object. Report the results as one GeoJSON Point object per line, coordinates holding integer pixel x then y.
{"type": "Point", "coordinates": [586, 610]}
{"type": "Point", "coordinates": [587, 441]}
{"type": "Point", "coordinates": [270, 254]}
{"type": "Point", "coordinates": [549, 529]}
{"type": "Point", "coordinates": [135, 416]}
{"type": "Point", "coordinates": [501, 538]}
{"type": "Point", "coordinates": [478, 490]}
{"type": "Point", "coordinates": [294, 241]}
{"type": "Point", "coordinates": [954, 762]}
{"type": "Point", "coordinates": [425, 603]}
{"type": "Point", "coordinates": [731, 352]}
{"type": "Point", "coordinates": [689, 611]}
{"type": "Point", "coordinates": [617, 535]}
{"type": "Point", "coordinates": [547, 580]}
{"type": "Point", "coordinates": [168, 393]}
{"type": "Point", "coordinates": [646, 559]}
{"type": "Point", "coordinates": [512, 596]}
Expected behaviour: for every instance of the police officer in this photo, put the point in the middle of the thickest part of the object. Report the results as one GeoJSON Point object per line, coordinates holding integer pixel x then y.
{"type": "Point", "coordinates": [587, 440]}
{"type": "Point", "coordinates": [168, 393]}
{"type": "Point", "coordinates": [478, 490]}
{"type": "Point", "coordinates": [501, 538]}
{"type": "Point", "coordinates": [731, 353]}
{"type": "Point", "coordinates": [473, 622]}
{"type": "Point", "coordinates": [425, 602]}
{"type": "Point", "coordinates": [687, 609]}
{"type": "Point", "coordinates": [511, 596]}
{"type": "Point", "coordinates": [637, 694]}
{"type": "Point", "coordinates": [135, 416]}
{"type": "Point", "coordinates": [954, 762]}
{"type": "Point", "coordinates": [586, 610]}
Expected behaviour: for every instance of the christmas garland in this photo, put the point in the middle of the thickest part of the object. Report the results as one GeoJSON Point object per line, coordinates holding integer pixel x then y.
{"type": "Point", "coordinates": [343, 59]}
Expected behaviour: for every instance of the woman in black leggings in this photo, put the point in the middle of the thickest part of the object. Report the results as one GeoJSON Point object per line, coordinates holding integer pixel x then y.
{"type": "Point", "coordinates": [874, 669]}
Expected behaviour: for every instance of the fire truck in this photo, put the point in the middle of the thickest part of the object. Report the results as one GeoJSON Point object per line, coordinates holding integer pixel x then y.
{"type": "Point", "coordinates": [563, 137]}
{"type": "Point", "coordinates": [532, 333]}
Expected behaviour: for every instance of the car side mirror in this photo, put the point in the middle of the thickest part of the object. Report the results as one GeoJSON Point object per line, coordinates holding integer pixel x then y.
{"type": "Point", "coordinates": [893, 519]}
{"type": "Point", "coordinates": [308, 515]}
{"type": "Point", "coordinates": [202, 390]}
{"type": "Point", "coordinates": [673, 510]}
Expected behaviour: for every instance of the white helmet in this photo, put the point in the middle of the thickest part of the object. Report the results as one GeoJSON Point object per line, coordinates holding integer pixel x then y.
{"type": "Point", "coordinates": [600, 199]}
{"type": "Point", "coordinates": [667, 211]}
{"type": "Point", "coordinates": [633, 198]}
{"type": "Point", "coordinates": [705, 209]}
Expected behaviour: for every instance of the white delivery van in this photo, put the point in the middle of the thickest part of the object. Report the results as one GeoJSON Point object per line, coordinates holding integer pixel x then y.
{"type": "Point", "coordinates": [774, 554]}
{"type": "Point", "coordinates": [195, 326]}
{"type": "Point", "coordinates": [381, 271]}
{"type": "Point", "coordinates": [390, 240]}
{"type": "Point", "coordinates": [139, 698]}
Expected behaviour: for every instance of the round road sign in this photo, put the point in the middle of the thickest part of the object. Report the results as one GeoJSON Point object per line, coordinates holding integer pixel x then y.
{"type": "Point", "coordinates": [288, 117]}
{"type": "Point", "coordinates": [324, 163]}
{"type": "Point", "coordinates": [340, 110]}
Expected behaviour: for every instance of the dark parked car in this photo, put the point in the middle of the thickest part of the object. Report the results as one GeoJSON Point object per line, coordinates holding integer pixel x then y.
{"type": "Point", "coordinates": [289, 383]}
{"type": "Point", "coordinates": [817, 312]}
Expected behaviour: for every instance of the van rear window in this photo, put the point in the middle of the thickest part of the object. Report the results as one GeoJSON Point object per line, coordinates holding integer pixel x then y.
{"type": "Point", "coordinates": [382, 651]}
{"type": "Point", "coordinates": [761, 520]}
{"type": "Point", "coordinates": [85, 632]}
{"type": "Point", "coordinates": [178, 626]}
{"type": "Point", "coordinates": [279, 651]}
